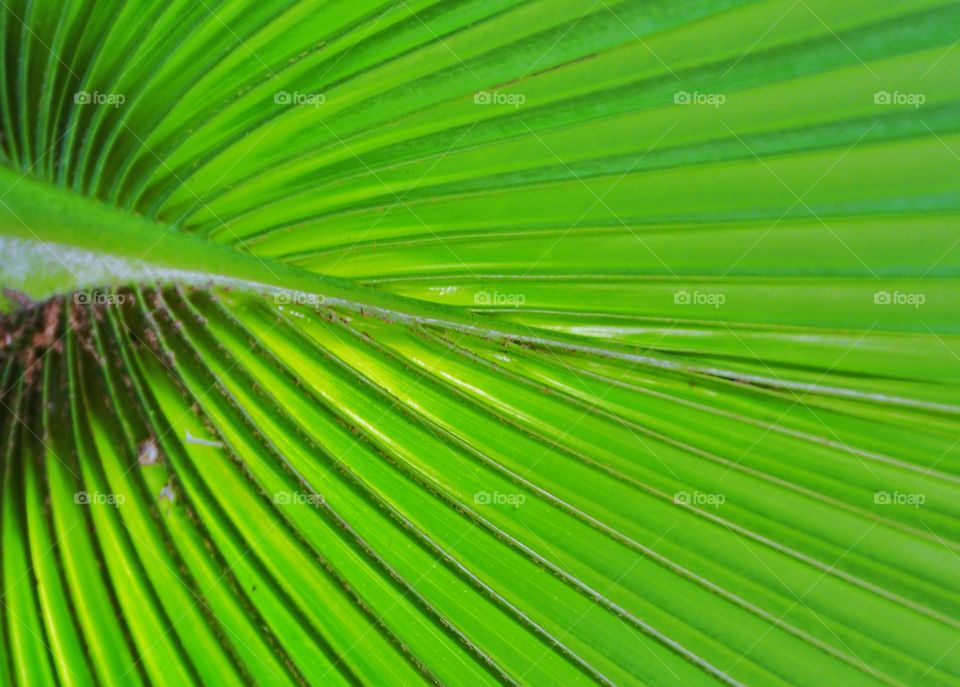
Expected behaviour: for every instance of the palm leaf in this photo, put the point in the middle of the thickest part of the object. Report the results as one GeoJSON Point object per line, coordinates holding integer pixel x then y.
{"type": "Point", "coordinates": [529, 342]}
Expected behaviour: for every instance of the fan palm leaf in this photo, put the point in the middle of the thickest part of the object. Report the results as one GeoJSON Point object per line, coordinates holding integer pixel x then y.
{"type": "Point", "coordinates": [542, 342]}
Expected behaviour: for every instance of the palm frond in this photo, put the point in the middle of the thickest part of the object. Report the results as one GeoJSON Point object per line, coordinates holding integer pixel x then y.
{"type": "Point", "coordinates": [538, 342]}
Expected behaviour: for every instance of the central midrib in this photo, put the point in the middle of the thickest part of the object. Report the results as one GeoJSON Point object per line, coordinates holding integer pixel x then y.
{"type": "Point", "coordinates": [32, 210]}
